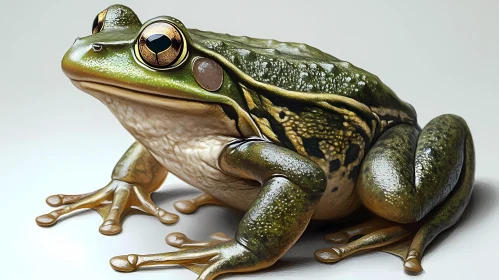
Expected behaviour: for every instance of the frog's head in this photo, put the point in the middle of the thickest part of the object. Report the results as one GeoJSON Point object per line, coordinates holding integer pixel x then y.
{"type": "Point", "coordinates": [154, 63]}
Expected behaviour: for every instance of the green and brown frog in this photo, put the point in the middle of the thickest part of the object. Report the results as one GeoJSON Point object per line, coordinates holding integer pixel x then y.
{"type": "Point", "coordinates": [282, 131]}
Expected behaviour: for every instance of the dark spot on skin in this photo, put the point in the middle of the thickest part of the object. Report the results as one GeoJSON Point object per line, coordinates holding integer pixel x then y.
{"type": "Point", "coordinates": [335, 120]}
{"type": "Point", "coordinates": [334, 165]}
{"type": "Point", "coordinates": [311, 146]}
{"type": "Point", "coordinates": [334, 189]}
{"type": "Point", "coordinates": [282, 115]}
{"type": "Point", "coordinates": [354, 173]}
{"type": "Point", "coordinates": [343, 174]}
{"type": "Point", "coordinates": [295, 107]}
{"type": "Point", "coordinates": [232, 114]}
{"type": "Point", "coordinates": [352, 154]}
{"type": "Point", "coordinates": [277, 127]}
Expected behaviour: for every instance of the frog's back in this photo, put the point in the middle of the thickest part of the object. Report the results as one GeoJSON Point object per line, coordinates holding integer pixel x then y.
{"type": "Point", "coordinates": [300, 68]}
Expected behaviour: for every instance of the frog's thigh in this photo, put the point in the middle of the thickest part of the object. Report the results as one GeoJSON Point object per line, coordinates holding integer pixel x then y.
{"type": "Point", "coordinates": [408, 173]}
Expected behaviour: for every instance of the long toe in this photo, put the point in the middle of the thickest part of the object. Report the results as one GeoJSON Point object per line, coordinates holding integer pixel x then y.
{"type": "Point", "coordinates": [340, 237]}
{"type": "Point", "coordinates": [176, 239]}
{"type": "Point", "coordinates": [54, 200]}
{"type": "Point", "coordinates": [185, 206]}
{"type": "Point", "coordinates": [46, 220]}
{"type": "Point", "coordinates": [125, 263]}
{"type": "Point", "coordinates": [328, 255]}
{"type": "Point", "coordinates": [413, 266]}
{"type": "Point", "coordinates": [167, 218]}
{"type": "Point", "coordinates": [110, 228]}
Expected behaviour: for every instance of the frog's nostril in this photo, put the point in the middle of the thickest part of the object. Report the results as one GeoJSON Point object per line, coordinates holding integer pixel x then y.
{"type": "Point", "coordinates": [97, 47]}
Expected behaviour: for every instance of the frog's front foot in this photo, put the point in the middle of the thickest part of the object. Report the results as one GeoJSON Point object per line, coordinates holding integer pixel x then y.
{"type": "Point", "coordinates": [113, 201]}
{"type": "Point", "coordinates": [225, 257]}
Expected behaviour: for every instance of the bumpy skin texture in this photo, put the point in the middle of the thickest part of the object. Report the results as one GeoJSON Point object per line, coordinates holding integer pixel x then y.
{"type": "Point", "coordinates": [319, 136]}
{"type": "Point", "coordinates": [291, 187]}
{"type": "Point", "coordinates": [298, 67]}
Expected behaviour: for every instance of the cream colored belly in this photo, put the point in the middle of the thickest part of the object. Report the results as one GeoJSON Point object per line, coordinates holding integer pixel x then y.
{"type": "Point", "coordinates": [339, 199]}
{"type": "Point", "coordinates": [188, 145]}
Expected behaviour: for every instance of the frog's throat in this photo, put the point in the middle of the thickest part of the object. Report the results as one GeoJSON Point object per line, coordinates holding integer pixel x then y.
{"type": "Point", "coordinates": [167, 101]}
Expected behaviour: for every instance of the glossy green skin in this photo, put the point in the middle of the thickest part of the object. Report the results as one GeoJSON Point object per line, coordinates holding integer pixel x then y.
{"type": "Point", "coordinates": [420, 170]}
{"type": "Point", "coordinates": [324, 73]}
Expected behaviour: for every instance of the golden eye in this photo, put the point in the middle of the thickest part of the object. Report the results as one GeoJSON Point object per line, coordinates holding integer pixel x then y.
{"type": "Point", "coordinates": [99, 22]}
{"type": "Point", "coordinates": [161, 45]}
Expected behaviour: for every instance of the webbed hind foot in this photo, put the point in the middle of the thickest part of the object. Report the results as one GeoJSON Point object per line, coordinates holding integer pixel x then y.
{"type": "Point", "coordinates": [373, 234]}
{"type": "Point", "coordinates": [208, 262]}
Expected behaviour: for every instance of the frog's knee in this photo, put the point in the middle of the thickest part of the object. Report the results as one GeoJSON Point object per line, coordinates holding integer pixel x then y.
{"type": "Point", "coordinates": [454, 126]}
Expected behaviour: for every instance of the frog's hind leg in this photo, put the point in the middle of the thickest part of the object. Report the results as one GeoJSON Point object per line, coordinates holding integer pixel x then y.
{"type": "Point", "coordinates": [420, 178]}
{"type": "Point", "coordinates": [442, 217]}
{"type": "Point", "coordinates": [292, 186]}
{"type": "Point", "coordinates": [420, 181]}
{"type": "Point", "coordinates": [189, 206]}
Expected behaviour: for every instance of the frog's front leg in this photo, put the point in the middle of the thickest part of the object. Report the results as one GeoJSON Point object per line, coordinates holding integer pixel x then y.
{"type": "Point", "coordinates": [135, 177]}
{"type": "Point", "coordinates": [291, 188]}
{"type": "Point", "coordinates": [421, 181]}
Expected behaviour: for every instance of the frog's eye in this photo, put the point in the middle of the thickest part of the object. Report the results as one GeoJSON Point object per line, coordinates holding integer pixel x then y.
{"type": "Point", "coordinates": [99, 22]}
{"type": "Point", "coordinates": [161, 45]}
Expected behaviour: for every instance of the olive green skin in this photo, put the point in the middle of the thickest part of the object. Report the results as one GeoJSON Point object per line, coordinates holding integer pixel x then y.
{"type": "Point", "coordinates": [406, 172]}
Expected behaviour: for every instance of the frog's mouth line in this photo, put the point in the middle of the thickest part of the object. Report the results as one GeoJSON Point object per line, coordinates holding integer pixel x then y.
{"type": "Point", "coordinates": [244, 124]}
{"type": "Point", "coordinates": [99, 91]}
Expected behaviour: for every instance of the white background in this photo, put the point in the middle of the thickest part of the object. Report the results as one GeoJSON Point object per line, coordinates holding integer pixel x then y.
{"type": "Point", "coordinates": [441, 56]}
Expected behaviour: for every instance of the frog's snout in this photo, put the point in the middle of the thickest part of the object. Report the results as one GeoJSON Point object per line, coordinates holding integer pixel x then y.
{"type": "Point", "coordinates": [72, 61]}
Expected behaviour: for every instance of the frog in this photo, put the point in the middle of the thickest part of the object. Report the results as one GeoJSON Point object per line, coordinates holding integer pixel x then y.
{"type": "Point", "coordinates": [280, 131]}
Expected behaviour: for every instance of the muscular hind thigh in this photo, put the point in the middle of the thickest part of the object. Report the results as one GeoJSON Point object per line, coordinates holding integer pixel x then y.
{"type": "Point", "coordinates": [409, 171]}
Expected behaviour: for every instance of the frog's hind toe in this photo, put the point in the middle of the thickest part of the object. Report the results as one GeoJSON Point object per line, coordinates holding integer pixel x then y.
{"type": "Point", "coordinates": [181, 241]}
{"type": "Point", "coordinates": [374, 239]}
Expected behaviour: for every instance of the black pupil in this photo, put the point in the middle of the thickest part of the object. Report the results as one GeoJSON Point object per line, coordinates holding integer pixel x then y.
{"type": "Point", "coordinates": [96, 22]}
{"type": "Point", "coordinates": [158, 42]}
